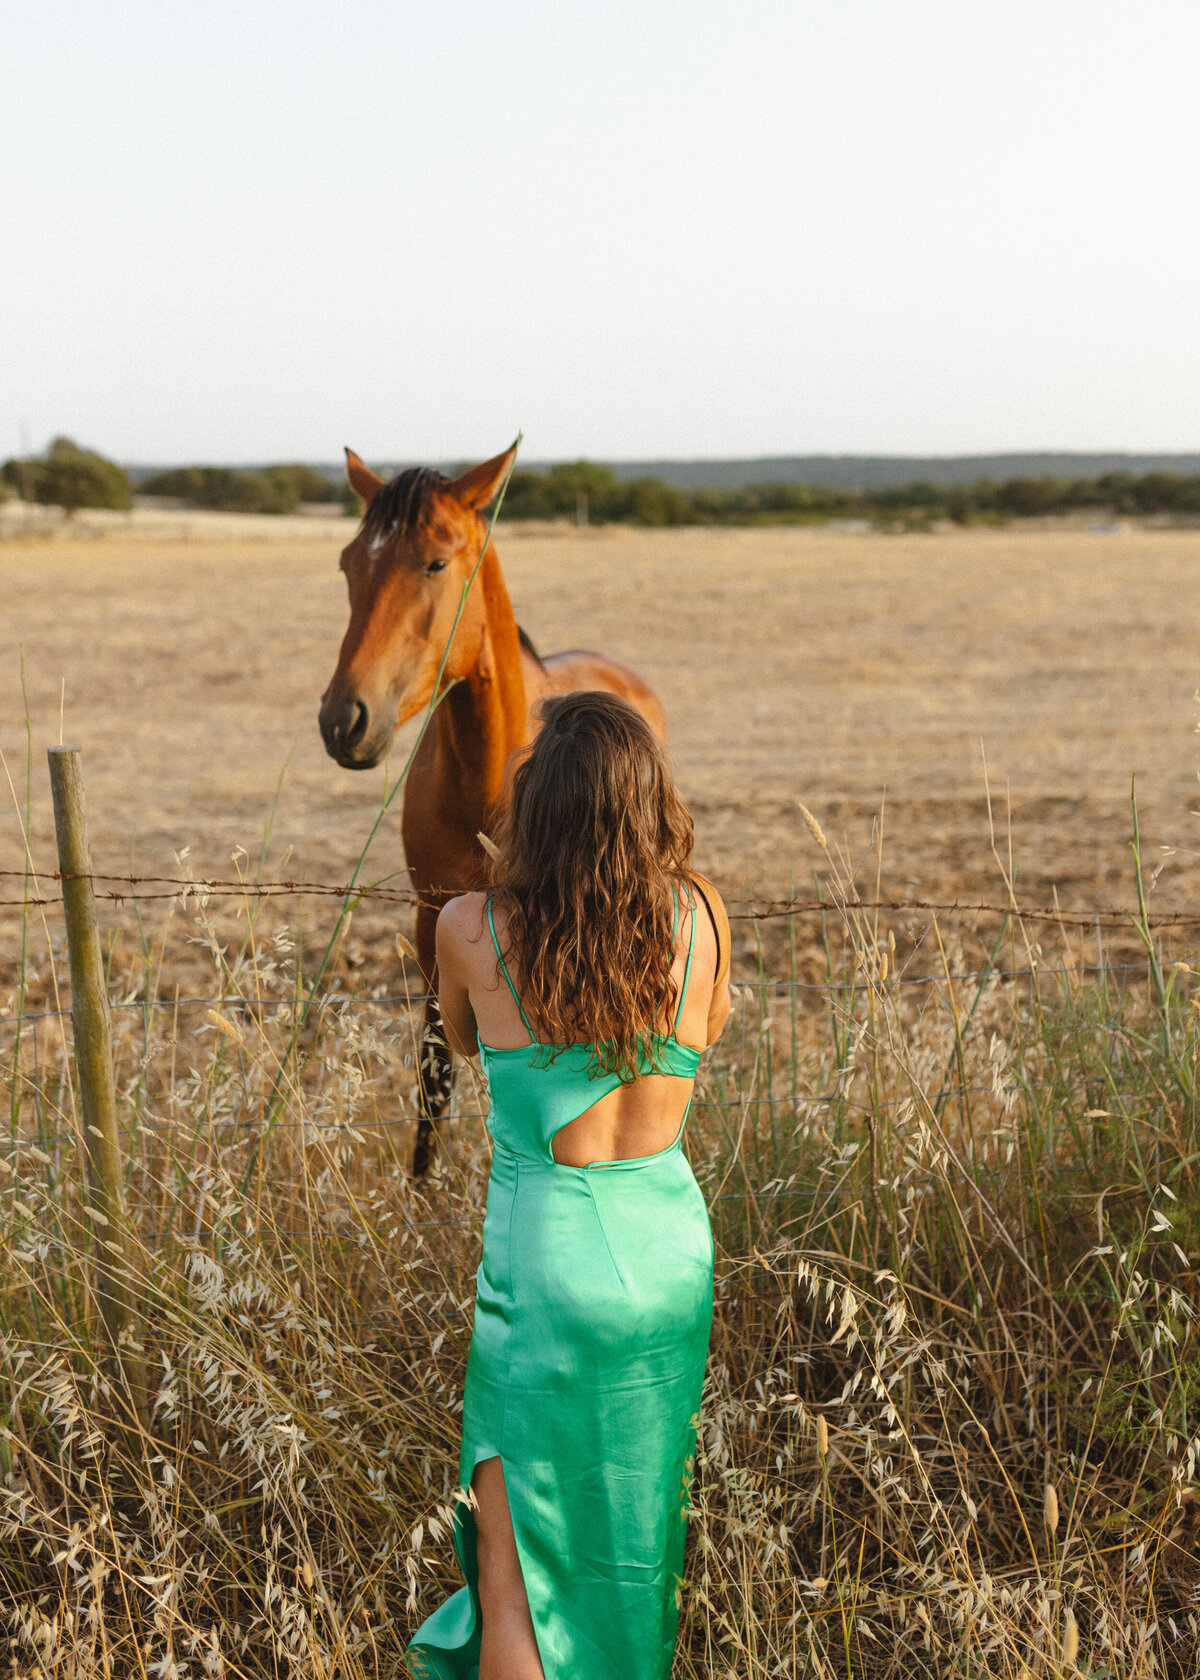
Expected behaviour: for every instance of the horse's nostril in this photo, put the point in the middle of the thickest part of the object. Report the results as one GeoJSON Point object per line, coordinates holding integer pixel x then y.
{"type": "Point", "coordinates": [358, 725]}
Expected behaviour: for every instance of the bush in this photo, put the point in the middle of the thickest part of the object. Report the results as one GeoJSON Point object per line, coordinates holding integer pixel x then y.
{"type": "Point", "coordinates": [310, 485]}
{"type": "Point", "coordinates": [651, 502]}
{"type": "Point", "coordinates": [1027, 498]}
{"type": "Point", "coordinates": [274, 490]}
{"type": "Point", "coordinates": [69, 477]}
{"type": "Point", "coordinates": [529, 496]}
{"type": "Point", "coordinates": [197, 486]}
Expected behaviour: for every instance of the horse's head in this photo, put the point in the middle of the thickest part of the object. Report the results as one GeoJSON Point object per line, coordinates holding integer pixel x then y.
{"type": "Point", "coordinates": [406, 567]}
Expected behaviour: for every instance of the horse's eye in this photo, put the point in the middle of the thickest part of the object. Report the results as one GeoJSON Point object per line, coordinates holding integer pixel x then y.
{"type": "Point", "coordinates": [434, 567]}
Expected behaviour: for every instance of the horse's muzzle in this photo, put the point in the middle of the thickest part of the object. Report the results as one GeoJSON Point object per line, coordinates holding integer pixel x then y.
{"type": "Point", "coordinates": [350, 733]}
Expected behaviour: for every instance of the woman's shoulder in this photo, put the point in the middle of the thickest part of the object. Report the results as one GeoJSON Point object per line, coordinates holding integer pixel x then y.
{"type": "Point", "coordinates": [462, 917]}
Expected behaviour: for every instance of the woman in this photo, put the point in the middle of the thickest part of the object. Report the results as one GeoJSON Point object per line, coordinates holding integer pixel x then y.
{"type": "Point", "coordinates": [588, 982]}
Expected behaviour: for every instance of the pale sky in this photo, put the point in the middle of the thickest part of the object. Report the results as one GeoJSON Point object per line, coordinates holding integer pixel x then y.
{"type": "Point", "coordinates": [266, 229]}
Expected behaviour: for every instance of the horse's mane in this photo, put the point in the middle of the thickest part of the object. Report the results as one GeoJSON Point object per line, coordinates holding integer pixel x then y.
{"type": "Point", "coordinates": [401, 502]}
{"type": "Point", "coordinates": [527, 644]}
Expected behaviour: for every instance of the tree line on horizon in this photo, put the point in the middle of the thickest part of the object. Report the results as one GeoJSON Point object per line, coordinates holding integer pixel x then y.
{"type": "Point", "coordinates": [582, 488]}
{"type": "Point", "coordinates": [70, 477]}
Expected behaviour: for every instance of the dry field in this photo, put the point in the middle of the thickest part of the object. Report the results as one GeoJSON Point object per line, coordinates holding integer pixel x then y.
{"type": "Point", "coordinates": [860, 673]}
{"type": "Point", "coordinates": [950, 1425]}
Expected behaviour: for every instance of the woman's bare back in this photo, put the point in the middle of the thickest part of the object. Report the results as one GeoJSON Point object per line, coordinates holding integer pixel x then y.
{"type": "Point", "coordinates": [635, 1120]}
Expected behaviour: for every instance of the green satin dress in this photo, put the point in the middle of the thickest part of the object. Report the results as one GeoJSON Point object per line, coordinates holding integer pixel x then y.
{"type": "Point", "coordinates": [592, 1318]}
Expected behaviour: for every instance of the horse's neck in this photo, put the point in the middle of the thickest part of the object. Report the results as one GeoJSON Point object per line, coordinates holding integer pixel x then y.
{"type": "Point", "coordinates": [484, 718]}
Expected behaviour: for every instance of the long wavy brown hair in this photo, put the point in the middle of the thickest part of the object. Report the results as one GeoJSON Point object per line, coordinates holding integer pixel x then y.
{"type": "Point", "coordinates": [594, 841]}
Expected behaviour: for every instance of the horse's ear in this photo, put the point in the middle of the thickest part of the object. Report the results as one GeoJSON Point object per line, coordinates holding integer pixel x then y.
{"type": "Point", "coordinates": [364, 483]}
{"type": "Point", "coordinates": [476, 487]}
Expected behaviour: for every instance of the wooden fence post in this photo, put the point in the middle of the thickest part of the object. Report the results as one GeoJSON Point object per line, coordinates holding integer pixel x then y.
{"type": "Point", "coordinates": [117, 1271]}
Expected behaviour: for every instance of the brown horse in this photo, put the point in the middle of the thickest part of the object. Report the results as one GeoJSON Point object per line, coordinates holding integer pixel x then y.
{"type": "Point", "coordinates": [406, 568]}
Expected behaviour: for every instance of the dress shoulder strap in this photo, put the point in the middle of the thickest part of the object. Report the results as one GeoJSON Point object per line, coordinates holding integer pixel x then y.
{"type": "Point", "coordinates": [691, 948]}
{"type": "Point", "coordinates": [504, 967]}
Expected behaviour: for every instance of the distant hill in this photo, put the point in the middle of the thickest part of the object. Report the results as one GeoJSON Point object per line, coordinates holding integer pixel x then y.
{"type": "Point", "coordinates": [845, 472]}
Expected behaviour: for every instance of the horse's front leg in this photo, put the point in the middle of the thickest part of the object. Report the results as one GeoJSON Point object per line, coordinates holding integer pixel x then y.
{"type": "Point", "coordinates": [433, 1060]}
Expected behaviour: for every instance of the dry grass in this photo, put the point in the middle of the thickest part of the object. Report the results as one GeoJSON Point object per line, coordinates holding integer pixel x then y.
{"type": "Point", "coordinates": [950, 1425]}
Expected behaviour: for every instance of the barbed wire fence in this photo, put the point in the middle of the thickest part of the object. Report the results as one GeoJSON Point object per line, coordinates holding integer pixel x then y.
{"type": "Point", "coordinates": [187, 890]}
{"type": "Point", "coordinates": [332, 999]}
{"type": "Point", "coordinates": [117, 889]}
{"type": "Point", "coordinates": [285, 1010]}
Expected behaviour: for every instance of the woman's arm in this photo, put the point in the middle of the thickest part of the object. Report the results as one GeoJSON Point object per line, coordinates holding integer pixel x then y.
{"type": "Point", "coordinates": [718, 1009]}
{"type": "Point", "coordinates": [458, 1018]}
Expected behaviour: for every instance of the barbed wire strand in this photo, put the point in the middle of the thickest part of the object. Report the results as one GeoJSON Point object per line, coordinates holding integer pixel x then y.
{"type": "Point", "coordinates": [187, 888]}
